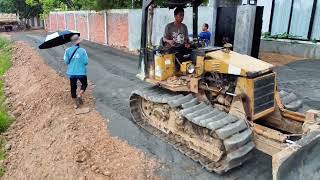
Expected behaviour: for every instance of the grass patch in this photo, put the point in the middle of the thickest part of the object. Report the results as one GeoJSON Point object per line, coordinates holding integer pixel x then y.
{"type": "Point", "coordinates": [5, 119]}
{"type": "Point", "coordinates": [5, 63]}
{"type": "Point", "coordinates": [5, 55]}
{"type": "Point", "coordinates": [2, 156]}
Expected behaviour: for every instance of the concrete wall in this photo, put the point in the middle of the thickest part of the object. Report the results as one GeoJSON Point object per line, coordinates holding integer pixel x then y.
{"type": "Point", "coordinates": [97, 22]}
{"type": "Point", "coordinates": [267, 4]}
{"type": "Point", "coordinates": [163, 16]}
{"type": "Point", "coordinates": [227, 3]}
{"type": "Point", "coordinates": [296, 48]}
{"type": "Point", "coordinates": [114, 27]}
{"type": "Point", "coordinates": [35, 22]}
{"type": "Point", "coordinates": [70, 21]}
{"type": "Point", "coordinates": [117, 22]}
{"type": "Point", "coordinates": [53, 22]}
{"type": "Point", "coordinates": [244, 29]}
{"type": "Point", "coordinates": [134, 19]}
{"type": "Point", "coordinates": [123, 27]}
{"type": "Point", "coordinates": [82, 24]}
{"type": "Point", "coordinates": [61, 21]}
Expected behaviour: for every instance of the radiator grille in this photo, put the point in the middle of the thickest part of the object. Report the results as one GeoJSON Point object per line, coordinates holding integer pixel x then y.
{"type": "Point", "coordinates": [264, 93]}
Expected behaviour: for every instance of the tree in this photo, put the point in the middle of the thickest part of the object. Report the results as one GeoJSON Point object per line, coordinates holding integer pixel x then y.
{"type": "Point", "coordinates": [7, 6]}
{"type": "Point", "coordinates": [46, 5]}
{"type": "Point", "coordinates": [51, 5]}
{"type": "Point", "coordinates": [19, 6]}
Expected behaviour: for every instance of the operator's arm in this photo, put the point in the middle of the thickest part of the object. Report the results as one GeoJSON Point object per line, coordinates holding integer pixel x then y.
{"type": "Point", "coordinates": [186, 35]}
{"type": "Point", "coordinates": [186, 39]}
{"type": "Point", "coordinates": [166, 36]}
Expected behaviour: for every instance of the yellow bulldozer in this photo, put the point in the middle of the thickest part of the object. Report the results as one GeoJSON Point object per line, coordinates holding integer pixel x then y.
{"type": "Point", "coordinates": [218, 105]}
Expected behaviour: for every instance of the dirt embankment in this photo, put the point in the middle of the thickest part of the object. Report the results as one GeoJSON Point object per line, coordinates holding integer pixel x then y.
{"type": "Point", "coordinates": [48, 141]}
{"type": "Point", "coordinates": [278, 59]}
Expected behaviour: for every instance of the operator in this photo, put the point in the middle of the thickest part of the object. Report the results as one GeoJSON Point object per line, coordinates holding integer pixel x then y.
{"type": "Point", "coordinates": [176, 37]}
{"type": "Point", "coordinates": [176, 33]}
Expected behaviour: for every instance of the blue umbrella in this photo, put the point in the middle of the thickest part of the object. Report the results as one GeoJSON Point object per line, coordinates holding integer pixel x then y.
{"type": "Point", "coordinates": [58, 38]}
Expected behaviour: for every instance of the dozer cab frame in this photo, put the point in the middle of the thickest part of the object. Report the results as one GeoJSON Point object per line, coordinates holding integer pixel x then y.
{"type": "Point", "coordinates": [220, 105]}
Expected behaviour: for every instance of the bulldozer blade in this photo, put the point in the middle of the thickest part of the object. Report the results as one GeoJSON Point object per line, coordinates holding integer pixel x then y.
{"type": "Point", "coordinates": [299, 161]}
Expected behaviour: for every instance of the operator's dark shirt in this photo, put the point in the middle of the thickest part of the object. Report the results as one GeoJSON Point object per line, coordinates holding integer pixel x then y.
{"type": "Point", "coordinates": [179, 34]}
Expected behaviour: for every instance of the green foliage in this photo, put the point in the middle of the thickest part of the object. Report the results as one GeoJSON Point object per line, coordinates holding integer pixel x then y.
{"type": "Point", "coordinates": [51, 5]}
{"type": "Point", "coordinates": [20, 6]}
{"type": "Point", "coordinates": [46, 5]}
{"type": "Point", "coordinates": [30, 8]}
{"type": "Point", "coordinates": [280, 36]}
{"type": "Point", "coordinates": [7, 6]}
{"type": "Point", "coordinates": [5, 119]}
{"type": "Point", "coordinates": [266, 34]}
{"type": "Point", "coordinates": [5, 57]}
{"type": "Point", "coordinates": [2, 155]}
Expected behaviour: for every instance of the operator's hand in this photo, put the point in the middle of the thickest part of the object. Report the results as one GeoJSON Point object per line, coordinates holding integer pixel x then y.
{"type": "Point", "coordinates": [170, 42]}
{"type": "Point", "coordinates": [187, 45]}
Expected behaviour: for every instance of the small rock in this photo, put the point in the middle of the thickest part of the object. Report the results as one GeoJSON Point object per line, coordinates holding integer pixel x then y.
{"type": "Point", "coordinates": [82, 111]}
{"type": "Point", "coordinates": [82, 157]}
{"type": "Point", "coordinates": [106, 173]}
{"type": "Point", "coordinates": [82, 178]}
{"type": "Point", "coordinates": [7, 147]}
{"type": "Point", "coordinates": [16, 114]}
{"type": "Point", "coordinates": [94, 168]}
{"type": "Point", "coordinates": [97, 171]}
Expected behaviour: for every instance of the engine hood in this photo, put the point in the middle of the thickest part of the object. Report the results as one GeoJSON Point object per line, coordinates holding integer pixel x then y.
{"type": "Point", "coordinates": [239, 64]}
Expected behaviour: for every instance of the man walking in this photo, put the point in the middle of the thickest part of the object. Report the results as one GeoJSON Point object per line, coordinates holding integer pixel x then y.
{"type": "Point", "coordinates": [77, 59]}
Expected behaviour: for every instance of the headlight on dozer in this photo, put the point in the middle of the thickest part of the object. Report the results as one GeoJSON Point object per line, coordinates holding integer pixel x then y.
{"type": "Point", "coordinates": [190, 68]}
{"type": "Point", "coordinates": [187, 67]}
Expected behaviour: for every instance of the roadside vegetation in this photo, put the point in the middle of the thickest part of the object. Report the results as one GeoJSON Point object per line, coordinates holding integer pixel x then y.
{"type": "Point", "coordinates": [5, 118]}
{"type": "Point", "coordinates": [5, 63]}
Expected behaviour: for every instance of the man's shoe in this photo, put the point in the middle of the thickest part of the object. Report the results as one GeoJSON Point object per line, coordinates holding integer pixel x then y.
{"type": "Point", "coordinates": [76, 103]}
{"type": "Point", "coordinates": [80, 100]}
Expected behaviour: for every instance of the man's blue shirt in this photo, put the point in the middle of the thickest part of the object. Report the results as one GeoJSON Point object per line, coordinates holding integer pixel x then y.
{"type": "Point", "coordinates": [205, 35]}
{"type": "Point", "coordinates": [77, 65]}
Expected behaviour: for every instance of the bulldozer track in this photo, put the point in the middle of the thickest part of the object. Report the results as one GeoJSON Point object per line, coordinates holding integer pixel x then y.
{"type": "Point", "coordinates": [235, 135]}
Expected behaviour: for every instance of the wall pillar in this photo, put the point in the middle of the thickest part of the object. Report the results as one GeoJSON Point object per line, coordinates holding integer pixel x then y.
{"type": "Point", "coordinates": [88, 26]}
{"type": "Point", "coordinates": [75, 21]}
{"type": "Point", "coordinates": [105, 29]}
{"type": "Point", "coordinates": [213, 6]}
{"type": "Point", "coordinates": [248, 30]}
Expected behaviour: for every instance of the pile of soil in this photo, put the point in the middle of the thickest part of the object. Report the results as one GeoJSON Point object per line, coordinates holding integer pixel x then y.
{"type": "Point", "coordinates": [49, 141]}
{"type": "Point", "coordinates": [278, 59]}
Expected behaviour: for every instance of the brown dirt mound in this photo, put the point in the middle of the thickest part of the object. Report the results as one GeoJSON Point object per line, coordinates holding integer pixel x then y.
{"type": "Point", "coordinates": [48, 141]}
{"type": "Point", "coordinates": [278, 59]}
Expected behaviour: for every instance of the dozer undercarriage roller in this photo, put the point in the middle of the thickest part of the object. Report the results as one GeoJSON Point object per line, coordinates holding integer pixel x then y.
{"type": "Point", "coordinates": [217, 140]}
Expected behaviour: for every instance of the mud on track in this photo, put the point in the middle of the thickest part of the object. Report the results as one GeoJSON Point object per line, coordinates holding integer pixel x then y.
{"type": "Point", "coordinates": [113, 73]}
